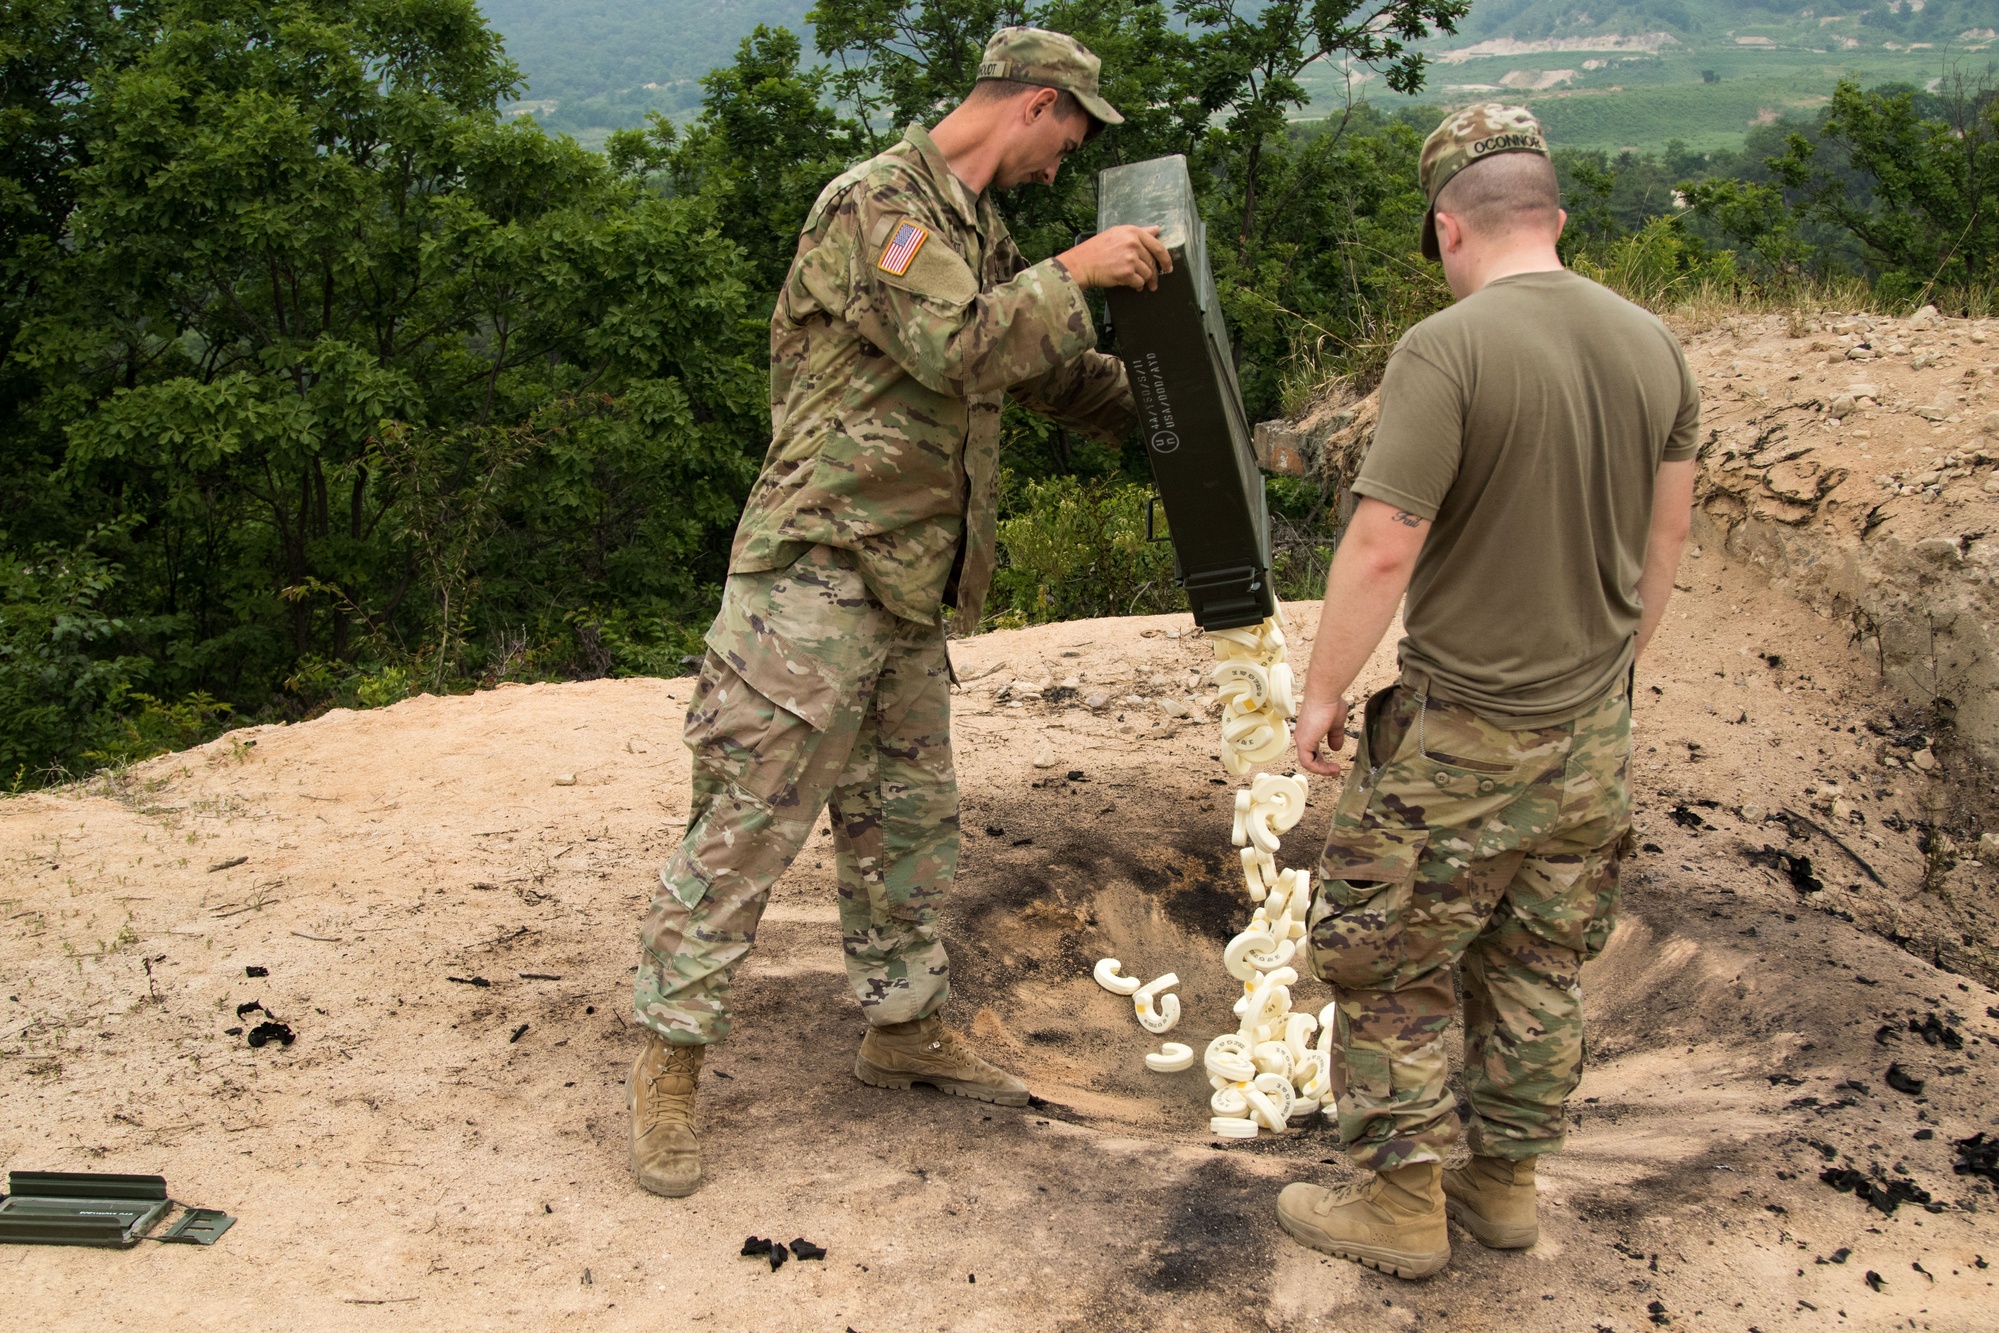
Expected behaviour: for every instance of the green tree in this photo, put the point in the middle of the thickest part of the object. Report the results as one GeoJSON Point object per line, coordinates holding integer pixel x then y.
{"type": "Point", "coordinates": [1909, 179]}
{"type": "Point", "coordinates": [309, 286]}
{"type": "Point", "coordinates": [48, 50]}
{"type": "Point", "coordinates": [762, 148]}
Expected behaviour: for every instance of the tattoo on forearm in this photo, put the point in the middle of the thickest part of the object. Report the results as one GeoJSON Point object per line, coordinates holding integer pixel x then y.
{"type": "Point", "coordinates": [1407, 519]}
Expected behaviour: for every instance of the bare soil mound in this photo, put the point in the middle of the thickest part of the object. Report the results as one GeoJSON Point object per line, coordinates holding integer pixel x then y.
{"type": "Point", "coordinates": [445, 893]}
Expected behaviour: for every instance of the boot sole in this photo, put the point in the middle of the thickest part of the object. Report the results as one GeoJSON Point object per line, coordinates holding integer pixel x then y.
{"type": "Point", "coordinates": [876, 1077]}
{"type": "Point", "coordinates": [664, 1190]}
{"type": "Point", "coordinates": [1486, 1233]}
{"type": "Point", "coordinates": [1397, 1263]}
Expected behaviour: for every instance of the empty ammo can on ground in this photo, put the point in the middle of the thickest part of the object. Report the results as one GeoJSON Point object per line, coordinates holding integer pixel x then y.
{"type": "Point", "coordinates": [1190, 409]}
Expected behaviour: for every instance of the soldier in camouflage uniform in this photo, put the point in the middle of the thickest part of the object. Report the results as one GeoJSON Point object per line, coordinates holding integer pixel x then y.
{"type": "Point", "coordinates": [1529, 484]}
{"type": "Point", "coordinates": [907, 318]}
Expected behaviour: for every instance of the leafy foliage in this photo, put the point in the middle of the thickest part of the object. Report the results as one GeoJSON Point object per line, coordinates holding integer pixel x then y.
{"type": "Point", "coordinates": [1076, 548]}
{"type": "Point", "coordinates": [1900, 184]}
{"type": "Point", "coordinates": [327, 382]}
{"type": "Point", "coordinates": [60, 691]}
{"type": "Point", "coordinates": [363, 375]}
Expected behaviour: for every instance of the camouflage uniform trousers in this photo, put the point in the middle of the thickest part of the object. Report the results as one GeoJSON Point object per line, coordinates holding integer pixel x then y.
{"type": "Point", "coordinates": [864, 728]}
{"type": "Point", "coordinates": [1457, 840]}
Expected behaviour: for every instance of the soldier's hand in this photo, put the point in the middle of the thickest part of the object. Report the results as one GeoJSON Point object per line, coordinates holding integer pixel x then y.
{"type": "Point", "coordinates": [1126, 256]}
{"type": "Point", "coordinates": [1321, 723]}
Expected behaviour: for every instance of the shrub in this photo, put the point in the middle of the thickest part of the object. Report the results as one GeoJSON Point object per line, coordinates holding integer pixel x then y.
{"type": "Point", "coordinates": [60, 685]}
{"type": "Point", "coordinates": [1076, 549]}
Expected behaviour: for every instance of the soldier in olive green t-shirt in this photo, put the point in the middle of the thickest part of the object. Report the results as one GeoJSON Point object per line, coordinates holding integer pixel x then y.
{"type": "Point", "coordinates": [1527, 422]}
{"type": "Point", "coordinates": [1529, 485]}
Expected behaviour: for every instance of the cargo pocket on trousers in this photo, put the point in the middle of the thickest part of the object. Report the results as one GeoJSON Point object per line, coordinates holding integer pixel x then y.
{"type": "Point", "coordinates": [1366, 880]}
{"type": "Point", "coordinates": [1609, 878]}
{"type": "Point", "coordinates": [1370, 1080]}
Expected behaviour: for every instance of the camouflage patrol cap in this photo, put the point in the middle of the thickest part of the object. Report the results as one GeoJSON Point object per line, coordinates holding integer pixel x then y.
{"type": "Point", "coordinates": [1469, 136]}
{"type": "Point", "coordinates": [1050, 60]}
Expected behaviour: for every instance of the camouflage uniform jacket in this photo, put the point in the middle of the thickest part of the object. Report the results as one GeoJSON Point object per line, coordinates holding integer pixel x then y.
{"type": "Point", "coordinates": [907, 317]}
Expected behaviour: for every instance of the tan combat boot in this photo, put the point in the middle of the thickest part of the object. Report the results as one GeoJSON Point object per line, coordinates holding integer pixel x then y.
{"type": "Point", "coordinates": [666, 1157]}
{"type": "Point", "coordinates": [895, 1055]}
{"type": "Point", "coordinates": [1494, 1200]}
{"type": "Point", "coordinates": [1394, 1222]}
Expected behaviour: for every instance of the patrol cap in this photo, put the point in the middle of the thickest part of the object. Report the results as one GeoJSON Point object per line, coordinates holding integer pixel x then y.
{"type": "Point", "coordinates": [1049, 60]}
{"type": "Point", "coordinates": [1469, 136]}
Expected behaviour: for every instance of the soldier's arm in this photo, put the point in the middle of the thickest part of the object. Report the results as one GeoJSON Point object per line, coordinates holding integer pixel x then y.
{"type": "Point", "coordinates": [1090, 393]}
{"type": "Point", "coordinates": [1672, 519]}
{"type": "Point", "coordinates": [1370, 572]}
{"type": "Point", "coordinates": [917, 299]}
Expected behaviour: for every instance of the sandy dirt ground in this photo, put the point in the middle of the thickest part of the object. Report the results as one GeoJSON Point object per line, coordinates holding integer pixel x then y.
{"type": "Point", "coordinates": [448, 927]}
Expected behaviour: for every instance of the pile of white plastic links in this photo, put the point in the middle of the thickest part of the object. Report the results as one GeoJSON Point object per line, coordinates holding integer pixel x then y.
{"type": "Point", "coordinates": [1265, 1074]}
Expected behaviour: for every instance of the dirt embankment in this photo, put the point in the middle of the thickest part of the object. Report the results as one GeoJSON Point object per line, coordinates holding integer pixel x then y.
{"type": "Point", "coordinates": [447, 925]}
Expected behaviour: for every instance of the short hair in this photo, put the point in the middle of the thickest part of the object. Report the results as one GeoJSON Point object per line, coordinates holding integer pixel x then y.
{"type": "Point", "coordinates": [1066, 105]}
{"type": "Point", "coordinates": [1505, 193]}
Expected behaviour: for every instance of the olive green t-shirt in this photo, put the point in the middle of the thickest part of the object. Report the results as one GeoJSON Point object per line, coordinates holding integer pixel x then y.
{"type": "Point", "coordinates": [1528, 422]}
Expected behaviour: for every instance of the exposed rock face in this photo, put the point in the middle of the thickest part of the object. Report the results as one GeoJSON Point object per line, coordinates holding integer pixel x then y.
{"type": "Point", "coordinates": [1866, 497]}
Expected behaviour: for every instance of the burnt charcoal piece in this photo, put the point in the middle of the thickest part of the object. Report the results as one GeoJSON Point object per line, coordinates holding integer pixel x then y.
{"type": "Point", "coordinates": [1874, 1280]}
{"type": "Point", "coordinates": [995, 831]}
{"type": "Point", "coordinates": [1841, 1255]}
{"type": "Point", "coordinates": [265, 1033]}
{"type": "Point", "coordinates": [1978, 1156]}
{"type": "Point", "coordinates": [1797, 869]}
{"type": "Point", "coordinates": [1937, 1033]}
{"type": "Point", "coordinates": [1686, 818]}
{"type": "Point", "coordinates": [1883, 1198]}
{"type": "Point", "coordinates": [519, 1032]}
{"type": "Point", "coordinates": [232, 1032]}
{"type": "Point", "coordinates": [1901, 1080]}
{"type": "Point", "coordinates": [755, 1245]}
{"type": "Point", "coordinates": [778, 1254]}
{"type": "Point", "coordinates": [805, 1249]}
{"type": "Point", "coordinates": [470, 981]}
{"type": "Point", "coordinates": [1888, 1032]}
{"type": "Point", "coordinates": [254, 971]}
{"type": "Point", "coordinates": [1076, 775]}
{"type": "Point", "coordinates": [1773, 659]}
{"type": "Point", "coordinates": [1653, 847]}
{"type": "Point", "coordinates": [251, 1007]}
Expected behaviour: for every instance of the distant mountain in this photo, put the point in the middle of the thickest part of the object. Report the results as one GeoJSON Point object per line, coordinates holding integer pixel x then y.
{"type": "Point", "coordinates": [598, 64]}
{"type": "Point", "coordinates": [1875, 23]}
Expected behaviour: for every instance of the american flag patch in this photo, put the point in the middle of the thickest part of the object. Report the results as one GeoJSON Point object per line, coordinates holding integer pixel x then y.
{"type": "Point", "coordinates": [902, 248]}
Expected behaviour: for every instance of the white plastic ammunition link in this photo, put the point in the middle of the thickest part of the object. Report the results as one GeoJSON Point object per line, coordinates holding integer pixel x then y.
{"type": "Point", "coordinates": [1266, 1073]}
